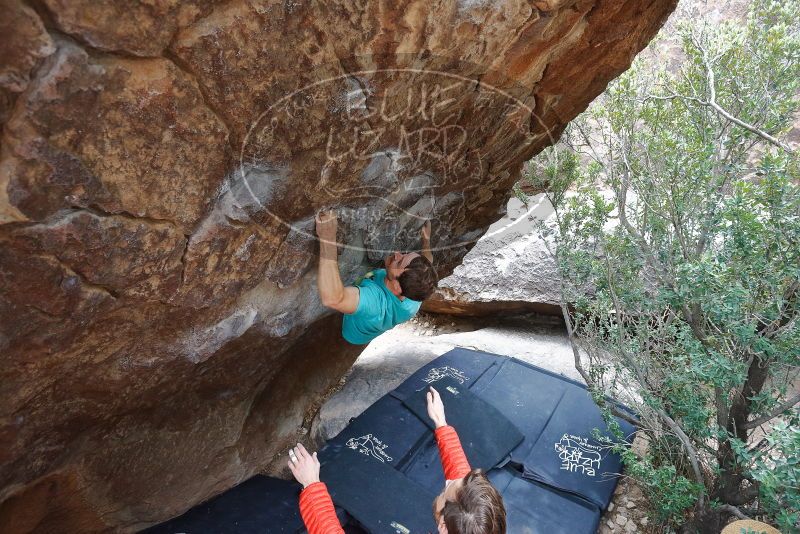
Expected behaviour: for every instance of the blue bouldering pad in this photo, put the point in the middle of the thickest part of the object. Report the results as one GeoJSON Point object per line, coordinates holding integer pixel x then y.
{"type": "Point", "coordinates": [462, 365]}
{"type": "Point", "coordinates": [396, 441]}
{"type": "Point", "coordinates": [384, 467]}
{"type": "Point", "coordinates": [379, 498]}
{"type": "Point", "coordinates": [534, 508]}
{"type": "Point", "coordinates": [486, 435]}
{"type": "Point", "coordinates": [558, 417]}
{"type": "Point", "coordinates": [387, 431]}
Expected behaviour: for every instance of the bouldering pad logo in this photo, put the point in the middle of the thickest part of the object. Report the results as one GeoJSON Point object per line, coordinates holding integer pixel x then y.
{"type": "Point", "coordinates": [369, 445]}
{"type": "Point", "coordinates": [452, 390]}
{"type": "Point", "coordinates": [388, 149]}
{"type": "Point", "coordinates": [437, 373]}
{"type": "Point", "coordinates": [577, 455]}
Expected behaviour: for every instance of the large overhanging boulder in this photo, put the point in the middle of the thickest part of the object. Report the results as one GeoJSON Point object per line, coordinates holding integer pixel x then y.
{"type": "Point", "coordinates": [161, 164]}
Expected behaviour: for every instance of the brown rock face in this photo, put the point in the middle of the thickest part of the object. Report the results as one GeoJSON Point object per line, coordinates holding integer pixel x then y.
{"type": "Point", "coordinates": [161, 337]}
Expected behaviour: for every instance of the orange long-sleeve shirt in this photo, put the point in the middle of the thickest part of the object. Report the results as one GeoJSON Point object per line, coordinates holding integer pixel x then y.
{"type": "Point", "coordinates": [454, 461]}
{"type": "Point", "coordinates": [316, 506]}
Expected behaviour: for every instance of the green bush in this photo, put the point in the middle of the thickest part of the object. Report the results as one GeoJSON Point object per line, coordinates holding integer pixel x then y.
{"type": "Point", "coordinates": [683, 280]}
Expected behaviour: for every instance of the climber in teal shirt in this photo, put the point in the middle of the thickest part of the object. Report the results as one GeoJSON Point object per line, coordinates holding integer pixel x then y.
{"type": "Point", "coordinates": [382, 299]}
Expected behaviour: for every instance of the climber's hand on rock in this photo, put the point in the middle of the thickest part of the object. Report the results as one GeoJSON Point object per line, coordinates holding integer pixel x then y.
{"type": "Point", "coordinates": [436, 408]}
{"type": "Point", "coordinates": [326, 225]}
{"type": "Point", "coordinates": [425, 231]}
{"type": "Point", "coordinates": [304, 466]}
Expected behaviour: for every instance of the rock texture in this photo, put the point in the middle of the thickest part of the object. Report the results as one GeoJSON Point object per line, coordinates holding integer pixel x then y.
{"type": "Point", "coordinates": [509, 271]}
{"type": "Point", "coordinates": [161, 338]}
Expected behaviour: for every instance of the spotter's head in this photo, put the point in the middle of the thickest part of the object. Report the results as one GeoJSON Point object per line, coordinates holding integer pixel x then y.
{"type": "Point", "coordinates": [470, 505]}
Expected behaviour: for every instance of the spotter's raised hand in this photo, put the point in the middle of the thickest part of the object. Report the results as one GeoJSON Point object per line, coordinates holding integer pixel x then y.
{"type": "Point", "coordinates": [436, 408]}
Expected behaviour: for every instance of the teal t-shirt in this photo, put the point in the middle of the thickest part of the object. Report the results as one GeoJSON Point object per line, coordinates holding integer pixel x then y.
{"type": "Point", "coordinates": [378, 310]}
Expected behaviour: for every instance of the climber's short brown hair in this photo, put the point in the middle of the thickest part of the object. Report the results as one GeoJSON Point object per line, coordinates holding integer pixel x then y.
{"type": "Point", "coordinates": [477, 509]}
{"type": "Point", "coordinates": [419, 279]}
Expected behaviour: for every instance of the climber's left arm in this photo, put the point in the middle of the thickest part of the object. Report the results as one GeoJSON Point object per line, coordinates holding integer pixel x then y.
{"type": "Point", "coordinates": [425, 233]}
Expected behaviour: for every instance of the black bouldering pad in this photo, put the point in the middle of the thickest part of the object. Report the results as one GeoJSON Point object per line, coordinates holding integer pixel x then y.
{"type": "Point", "coordinates": [387, 431]}
{"type": "Point", "coordinates": [257, 506]}
{"type": "Point", "coordinates": [486, 435]}
{"type": "Point", "coordinates": [380, 498]}
{"type": "Point", "coordinates": [533, 508]}
{"type": "Point", "coordinates": [525, 397]}
{"type": "Point", "coordinates": [558, 418]}
{"type": "Point", "coordinates": [568, 456]}
{"type": "Point", "coordinates": [384, 466]}
{"type": "Point", "coordinates": [462, 365]}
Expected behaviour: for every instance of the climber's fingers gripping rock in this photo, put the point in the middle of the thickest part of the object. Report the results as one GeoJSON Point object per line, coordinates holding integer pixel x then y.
{"type": "Point", "coordinates": [425, 231]}
{"type": "Point", "coordinates": [326, 225]}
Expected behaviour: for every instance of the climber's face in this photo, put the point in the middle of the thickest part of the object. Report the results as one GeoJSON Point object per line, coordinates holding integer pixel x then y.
{"type": "Point", "coordinates": [396, 263]}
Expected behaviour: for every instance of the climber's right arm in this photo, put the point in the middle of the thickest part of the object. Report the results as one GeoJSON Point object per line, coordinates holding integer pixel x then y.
{"type": "Point", "coordinates": [425, 235]}
{"type": "Point", "coordinates": [332, 292]}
